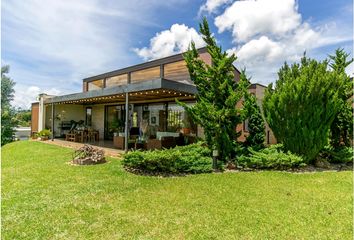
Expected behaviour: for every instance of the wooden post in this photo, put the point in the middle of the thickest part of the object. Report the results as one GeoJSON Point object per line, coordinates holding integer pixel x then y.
{"type": "Point", "coordinates": [126, 133]}
{"type": "Point", "coordinates": [52, 121]}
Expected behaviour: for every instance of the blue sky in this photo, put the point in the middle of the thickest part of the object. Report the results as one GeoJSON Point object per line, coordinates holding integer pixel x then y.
{"type": "Point", "coordinates": [52, 45]}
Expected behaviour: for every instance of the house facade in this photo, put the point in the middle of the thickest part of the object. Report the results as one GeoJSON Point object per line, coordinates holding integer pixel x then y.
{"type": "Point", "coordinates": [137, 100]}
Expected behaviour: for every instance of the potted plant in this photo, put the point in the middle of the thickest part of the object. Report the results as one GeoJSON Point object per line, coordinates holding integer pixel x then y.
{"type": "Point", "coordinates": [44, 134]}
{"type": "Point", "coordinates": [186, 125]}
{"type": "Point", "coordinates": [116, 126]}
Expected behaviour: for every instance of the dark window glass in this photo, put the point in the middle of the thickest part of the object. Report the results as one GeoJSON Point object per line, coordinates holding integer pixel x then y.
{"type": "Point", "coordinates": [89, 116]}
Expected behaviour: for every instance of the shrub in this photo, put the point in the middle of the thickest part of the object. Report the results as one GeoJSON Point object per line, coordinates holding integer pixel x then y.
{"type": "Point", "coordinates": [302, 106]}
{"type": "Point", "coordinates": [194, 158]}
{"type": "Point", "coordinates": [44, 133]}
{"type": "Point", "coordinates": [271, 157]}
{"type": "Point", "coordinates": [338, 155]}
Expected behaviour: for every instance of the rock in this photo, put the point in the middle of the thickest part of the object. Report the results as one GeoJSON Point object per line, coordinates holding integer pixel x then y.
{"type": "Point", "coordinates": [88, 155]}
{"type": "Point", "coordinates": [322, 163]}
{"type": "Point", "coordinates": [230, 166]}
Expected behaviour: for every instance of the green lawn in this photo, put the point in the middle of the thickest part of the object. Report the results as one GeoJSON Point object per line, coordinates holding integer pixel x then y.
{"type": "Point", "coordinates": [45, 198]}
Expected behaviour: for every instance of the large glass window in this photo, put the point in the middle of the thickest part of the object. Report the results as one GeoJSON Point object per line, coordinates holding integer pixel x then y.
{"type": "Point", "coordinates": [177, 71]}
{"type": "Point", "coordinates": [114, 120]}
{"type": "Point", "coordinates": [93, 85]}
{"type": "Point", "coordinates": [117, 80]}
{"type": "Point", "coordinates": [145, 74]}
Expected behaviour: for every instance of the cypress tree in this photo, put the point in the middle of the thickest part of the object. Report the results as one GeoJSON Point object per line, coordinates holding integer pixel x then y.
{"type": "Point", "coordinates": [302, 106]}
{"type": "Point", "coordinates": [218, 93]}
{"type": "Point", "coordinates": [256, 127]}
{"type": "Point", "coordinates": [342, 126]}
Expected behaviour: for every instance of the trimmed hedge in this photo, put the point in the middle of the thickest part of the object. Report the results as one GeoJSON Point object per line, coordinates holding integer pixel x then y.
{"type": "Point", "coordinates": [194, 158]}
{"type": "Point", "coordinates": [272, 157]}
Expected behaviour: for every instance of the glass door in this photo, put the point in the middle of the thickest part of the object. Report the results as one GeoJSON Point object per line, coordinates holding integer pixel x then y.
{"type": "Point", "coordinates": [114, 121]}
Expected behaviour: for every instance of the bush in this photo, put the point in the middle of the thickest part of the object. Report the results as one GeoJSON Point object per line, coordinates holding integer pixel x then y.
{"type": "Point", "coordinates": [272, 157]}
{"type": "Point", "coordinates": [337, 155]}
{"type": "Point", "coordinates": [194, 158]}
{"type": "Point", "coordinates": [44, 133]}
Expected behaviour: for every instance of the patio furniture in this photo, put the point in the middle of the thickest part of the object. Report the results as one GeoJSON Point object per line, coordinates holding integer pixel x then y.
{"type": "Point", "coordinates": [92, 136]}
{"type": "Point", "coordinates": [165, 142]}
{"type": "Point", "coordinates": [71, 137]}
{"type": "Point", "coordinates": [118, 142]}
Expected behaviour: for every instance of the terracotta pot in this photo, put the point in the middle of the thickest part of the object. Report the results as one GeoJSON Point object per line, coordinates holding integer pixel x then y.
{"type": "Point", "coordinates": [186, 131]}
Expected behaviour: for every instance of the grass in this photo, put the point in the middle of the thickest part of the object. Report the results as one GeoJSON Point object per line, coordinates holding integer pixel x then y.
{"type": "Point", "coordinates": [45, 198]}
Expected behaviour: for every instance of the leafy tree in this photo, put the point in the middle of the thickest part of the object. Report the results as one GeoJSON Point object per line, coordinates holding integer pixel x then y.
{"type": "Point", "coordinates": [303, 105]}
{"type": "Point", "coordinates": [342, 126]}
{"type": "Point", "coordinates": [256, 127]}
{"type": "Point", "coordinates": [23, 117]}
{"type": "Point", "coordinates": [8, 122]}
{"type": "Point", "coordinates": [218, 93]}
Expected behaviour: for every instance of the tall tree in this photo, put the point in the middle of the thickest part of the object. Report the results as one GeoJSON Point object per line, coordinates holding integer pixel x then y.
{"type": "Point", "coordinates": [342, 126]}
{"type": "Point", "coordinates": [256, 127]}
{"type": "Point", "coordinates": [8, 122]}
{"type": "Point", "coordinates": [218, 93]}
{"type": "Point", "coordinates": [303, 105]}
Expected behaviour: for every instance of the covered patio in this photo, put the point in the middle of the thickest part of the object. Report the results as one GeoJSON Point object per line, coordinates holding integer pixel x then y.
{"type": "Point", "coordinates": [137, 115]}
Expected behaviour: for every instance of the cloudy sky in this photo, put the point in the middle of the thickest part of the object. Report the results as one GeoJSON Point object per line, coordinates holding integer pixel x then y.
{"type": "Point", "coordinates": [52, 45]}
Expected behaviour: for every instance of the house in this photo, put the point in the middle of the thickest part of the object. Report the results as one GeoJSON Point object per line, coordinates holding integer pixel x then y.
{"type": "Point", "coordinates": [125, 104]}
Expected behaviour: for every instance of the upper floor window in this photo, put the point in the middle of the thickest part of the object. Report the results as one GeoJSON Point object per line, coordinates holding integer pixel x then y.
{"type": "Point", "coordinates": [117, 80]}
{"type": "Point", "coordinates": [93, 85]}
{"type": "Point", "coordinates": [145, 74]}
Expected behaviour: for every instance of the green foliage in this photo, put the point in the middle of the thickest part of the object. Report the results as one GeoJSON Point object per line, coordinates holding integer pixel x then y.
{"type": "Point", "coordinates": [218, 93]}
{"type": "Point", "coordinates": [256, 127]}
{"type": "Point", "coordinates": [23, 117]}
{"type": "Point", "coordinates": [194, 158]}
{"type": "Point", "coordinates": [303, 105]}
{"type": "Point", "coordinates": [8, 120]}
{"type": "Point", "coordinates": [272, 157]}
{"type": "Point", "coordinates": [44, 133]}
{"type": "Point", "coordinates": [341, 154]}
{"type": "Point", "coordinates": [342, 126]}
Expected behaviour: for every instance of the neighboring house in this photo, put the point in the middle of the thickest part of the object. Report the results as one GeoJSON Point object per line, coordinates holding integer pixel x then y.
{"type": "Point", "coordinates": [147, 90]}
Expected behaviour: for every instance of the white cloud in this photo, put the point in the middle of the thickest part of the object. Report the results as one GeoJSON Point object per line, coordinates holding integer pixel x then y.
{"type": "Point", "coordinates": [211, 6]}
{"type": "Point", "coordinates": [55, 44]}
{"type": "Point", "coordinates": [246, 19]}
{"type": "Point", "coordinates": [25, 95]}
{"type": "Point", "coordinates": [268, 32]}
{"type": "Point", "coordinates": [176, 39]}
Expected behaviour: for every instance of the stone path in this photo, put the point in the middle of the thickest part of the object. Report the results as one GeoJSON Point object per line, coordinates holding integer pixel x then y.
{"type": "Point", "coordinates": [75, 145]}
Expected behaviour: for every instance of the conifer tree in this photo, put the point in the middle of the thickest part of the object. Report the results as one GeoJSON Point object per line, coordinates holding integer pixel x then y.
{"type": "Point", "coordinates": [256, 127]}
{"type": "Point", "coordinates": [8, 120]}
{"type": "Point", "coordinates": [303, 105]}
{"type": "Point", "coordinates": [218, 93]}
{"type": "Point", "coordinates": [342, 126]}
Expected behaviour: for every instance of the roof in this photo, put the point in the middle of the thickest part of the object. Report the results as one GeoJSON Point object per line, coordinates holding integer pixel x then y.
{"type": "Point", "coordinates": [119, 91]}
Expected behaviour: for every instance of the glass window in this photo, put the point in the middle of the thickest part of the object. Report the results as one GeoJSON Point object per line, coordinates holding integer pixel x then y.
{"type": "Point", "coordinates": [93, 85]}
{"type": "Point", "coordinates": [177, 71]}
{"type": "Point", "coordinates": [117, 80]}
{"type": "Point", "coordinates": [89, 116]}
{"type": "Point", "coordinates": [145, 74]}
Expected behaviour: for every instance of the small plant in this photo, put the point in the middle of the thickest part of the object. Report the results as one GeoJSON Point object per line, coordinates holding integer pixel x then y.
{"type": "Point", "coordinates": [44, 134]}
{"type": "Point", "coordinates": [271, 158]}
{"type": "Point", "coordinates": [194, 158]}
